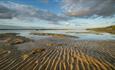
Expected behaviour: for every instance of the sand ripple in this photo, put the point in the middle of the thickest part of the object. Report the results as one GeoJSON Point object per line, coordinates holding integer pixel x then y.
{"type": "Point", "coordinates": [59, 54]}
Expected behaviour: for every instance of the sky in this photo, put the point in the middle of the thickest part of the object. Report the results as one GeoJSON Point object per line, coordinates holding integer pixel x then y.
{"type": "Point", "coordinates": [58, 13]}
{"type": "Point", "coordinates": [50, 5]}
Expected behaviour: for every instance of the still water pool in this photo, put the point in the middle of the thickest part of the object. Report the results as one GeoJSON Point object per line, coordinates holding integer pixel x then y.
{"type": "Point", "coordinates": [82, 34]}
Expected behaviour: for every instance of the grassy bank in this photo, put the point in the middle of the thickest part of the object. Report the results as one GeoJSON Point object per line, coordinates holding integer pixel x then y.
{"type": "Point", "coordinates": [109, 29]}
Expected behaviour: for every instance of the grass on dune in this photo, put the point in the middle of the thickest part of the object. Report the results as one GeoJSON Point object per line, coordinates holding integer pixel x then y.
{"type": "Point", "coordinates": [109, 29]}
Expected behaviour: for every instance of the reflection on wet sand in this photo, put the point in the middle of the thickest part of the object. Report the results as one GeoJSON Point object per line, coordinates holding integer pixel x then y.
{"type": "Point", "coordinates": [54, 35]}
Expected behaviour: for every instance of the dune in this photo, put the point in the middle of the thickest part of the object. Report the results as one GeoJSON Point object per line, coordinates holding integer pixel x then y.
{"type": "Point", "coordinates": [109, 29]}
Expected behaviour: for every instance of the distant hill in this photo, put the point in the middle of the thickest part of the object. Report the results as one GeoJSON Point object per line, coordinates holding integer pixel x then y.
{"type": "Point", "coordinates": [109, 29]}
{"type": "Point", "coordinates": [8, 27]}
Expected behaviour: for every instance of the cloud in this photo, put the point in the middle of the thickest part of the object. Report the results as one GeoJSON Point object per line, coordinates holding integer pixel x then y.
{"type": "Point", "coordinates": [28, 12]}
{"type": "Point", "coordinates": [20, 14]}
{"type": "Point", "coordinates": [88, 7]}
{"type": "Point", "coordinates": [5, 13]}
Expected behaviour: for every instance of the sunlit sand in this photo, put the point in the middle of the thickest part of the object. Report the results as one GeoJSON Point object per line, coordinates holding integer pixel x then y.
{"type": "Point", "coordinates": [56, 53]}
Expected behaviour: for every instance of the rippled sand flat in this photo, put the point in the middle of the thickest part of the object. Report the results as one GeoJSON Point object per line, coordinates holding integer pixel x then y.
{"type": "Point", "coordinates": [59, 54]}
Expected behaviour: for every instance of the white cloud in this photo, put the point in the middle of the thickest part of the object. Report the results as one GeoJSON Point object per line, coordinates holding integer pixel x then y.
{"type": "Point", "coordinates": [21, 11]}
{"type": "Point", "coordinates": [88, 7]}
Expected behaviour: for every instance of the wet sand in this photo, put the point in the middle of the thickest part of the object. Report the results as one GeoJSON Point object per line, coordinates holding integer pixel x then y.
{"type": "Point", "coordinates": [12, 39]}
{"type": "Point", "coordinates": [59, 54]}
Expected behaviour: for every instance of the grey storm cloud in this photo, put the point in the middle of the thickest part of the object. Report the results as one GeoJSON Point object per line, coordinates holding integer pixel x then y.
{"type": "Point", "coordinates": [88, 7]}
{"type": "Point", "coordinates": [5, 13]}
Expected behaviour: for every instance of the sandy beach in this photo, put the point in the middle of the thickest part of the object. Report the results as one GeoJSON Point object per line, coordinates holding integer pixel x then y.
{"type": "Point", "coordinates": [59, 54]}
